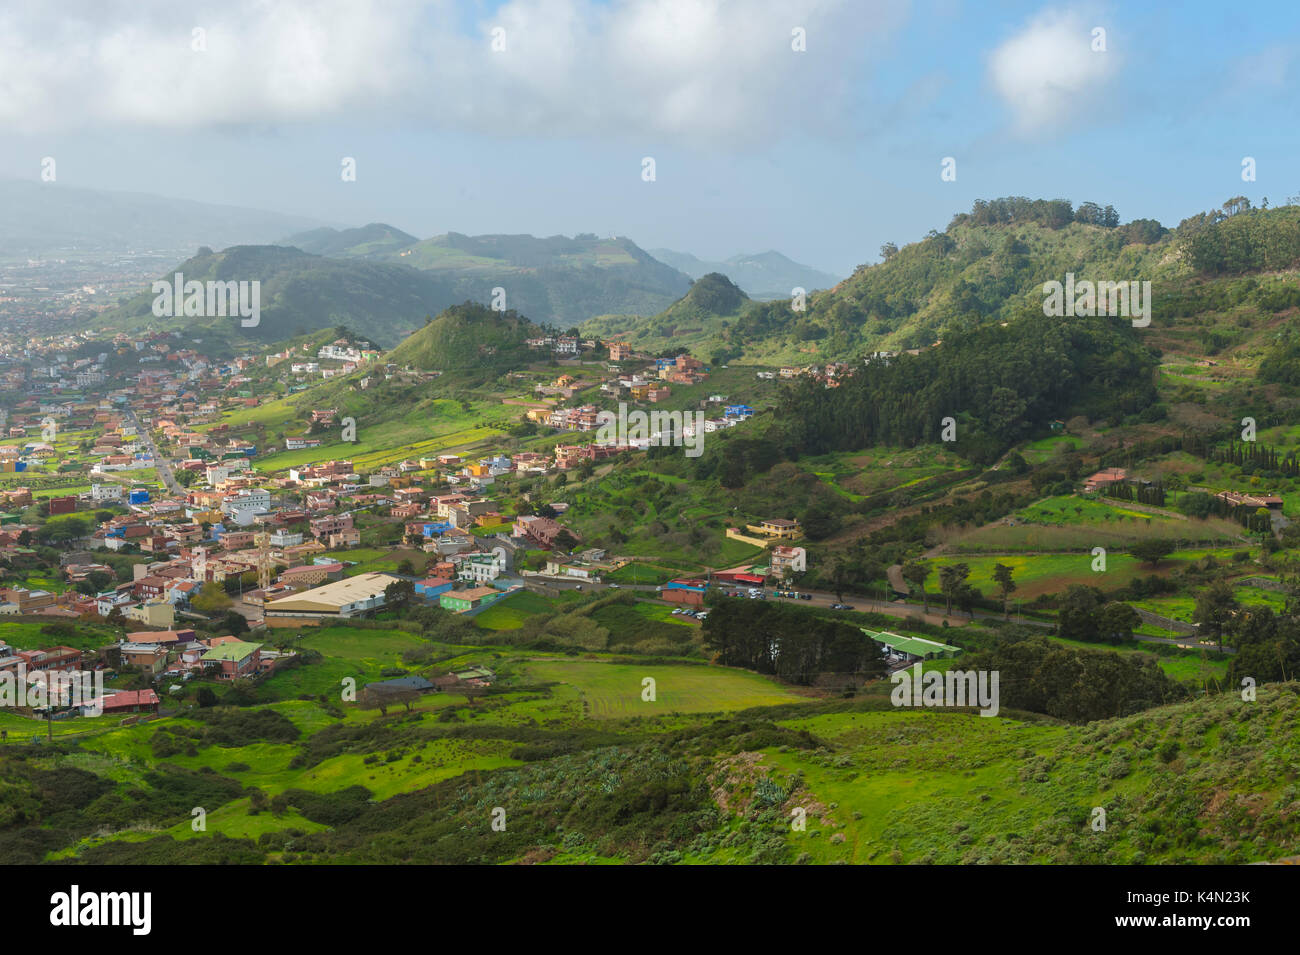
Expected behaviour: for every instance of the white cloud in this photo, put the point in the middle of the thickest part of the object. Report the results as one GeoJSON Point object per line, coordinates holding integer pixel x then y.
{"type": "Point", "coordinates": [1048, 73]}
{"type": "Point", "coordinates": [717, 69]}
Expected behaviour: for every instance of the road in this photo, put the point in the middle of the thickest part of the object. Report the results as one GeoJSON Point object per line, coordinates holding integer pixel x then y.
{"type": "Point", "coordinates": [161, 463]}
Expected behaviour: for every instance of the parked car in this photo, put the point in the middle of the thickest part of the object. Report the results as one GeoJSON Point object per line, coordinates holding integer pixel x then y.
{"type": "Point", "coordinates": [805, 596]}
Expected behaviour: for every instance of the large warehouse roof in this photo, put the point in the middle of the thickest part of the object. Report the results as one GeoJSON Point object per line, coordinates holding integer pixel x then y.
{"type": "Point", "coordinates": [329, 598]}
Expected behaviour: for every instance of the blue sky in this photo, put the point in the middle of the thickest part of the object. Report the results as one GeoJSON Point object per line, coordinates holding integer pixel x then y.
{"type": "Point", "coordinates": [822, 154]}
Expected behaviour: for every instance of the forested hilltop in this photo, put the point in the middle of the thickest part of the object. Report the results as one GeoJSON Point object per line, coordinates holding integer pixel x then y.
{"type": "Point", "coordinates": [989, 264]}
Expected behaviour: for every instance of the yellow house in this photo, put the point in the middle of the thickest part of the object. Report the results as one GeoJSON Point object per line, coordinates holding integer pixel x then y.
{"type": "Point", "coordinates": [159, 613]}
{"type": "Point", "coordinates": [777, 527]}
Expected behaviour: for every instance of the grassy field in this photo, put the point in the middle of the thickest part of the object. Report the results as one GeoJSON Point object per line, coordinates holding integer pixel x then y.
{"type": "Point", "coordinates": [351, 643]}
{"type": "Point", "coordinates": [1054, 573]}
{"type": "Point", "coordinates": [1071, 522]}
{"type": "Point", "coordinates": [900, 786]}
{"type": "Point", "coordinates": [612, 691]}
{"type": "Point", "coordinates": [511, 612]}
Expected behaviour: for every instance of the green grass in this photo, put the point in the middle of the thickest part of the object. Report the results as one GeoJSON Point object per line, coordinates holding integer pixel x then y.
{"type": "Point", "coordinates": [611, 691]}
{"type": "Point", "coordinates": [1072, 522]}
{"type": "Point", "coordinates": [1054, 573]}
{"type": "Point", "coordinates": [355, 644]}
{"type": "Point", "coordinates": [511, 612]}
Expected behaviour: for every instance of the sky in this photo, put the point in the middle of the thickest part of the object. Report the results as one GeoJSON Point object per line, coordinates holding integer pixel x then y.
{"type": "Point", "coordinates": [537, 116]}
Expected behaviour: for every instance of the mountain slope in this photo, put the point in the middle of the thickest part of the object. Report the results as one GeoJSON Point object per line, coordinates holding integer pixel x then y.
{"type": "Point", "coordinates": [697, 321]}
{"type": "Point", "coordinates": [300, 293]}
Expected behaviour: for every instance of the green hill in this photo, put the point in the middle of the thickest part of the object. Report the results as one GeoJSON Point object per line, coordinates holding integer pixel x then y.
{"type": "Point", "coordinates": [698, 321]}
{"type": "Point", "coordinates": [467, 340]}
{"type": "Point", "coordinates": [300, 293]}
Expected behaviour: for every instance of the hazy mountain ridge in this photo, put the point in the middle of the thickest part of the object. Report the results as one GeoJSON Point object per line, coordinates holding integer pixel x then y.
{"type": "Point", "coordinates": [765, 275]}
{"type": "Point", "coordinates": [38, 218]}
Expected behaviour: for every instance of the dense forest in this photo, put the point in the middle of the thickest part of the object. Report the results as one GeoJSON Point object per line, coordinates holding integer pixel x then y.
{"type": "Point", "coordinates": [1239, 239]}
{"type": "Point", "coordinates": [789, 642]}
{"type": "Point", "coordinates": [997, 384]}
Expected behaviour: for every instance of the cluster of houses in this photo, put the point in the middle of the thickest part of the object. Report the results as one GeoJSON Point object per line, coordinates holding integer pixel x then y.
{"type": "Point", "coordinates": [784, 562]}
{"type": "Point", "coordinates": [568, 345]}
{"type": "Point", "coordinates": [179, 655]}
{"type": "Point", "coordinates": [348, 355]}
{"type": "Point", "coordinates": [832, 374]}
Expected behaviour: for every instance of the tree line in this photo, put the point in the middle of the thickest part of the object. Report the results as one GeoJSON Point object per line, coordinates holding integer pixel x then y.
{"type": "Point", "coordinates": [789, 642]}
{"type": "Point", "coordinates": [1070, 683]}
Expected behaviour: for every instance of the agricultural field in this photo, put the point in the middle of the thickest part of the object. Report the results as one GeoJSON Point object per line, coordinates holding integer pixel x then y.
{"type": "Point", "coordinates": [1053, 573]}
{"type": "Point", "coordinates": [1073, 522]}
{"type": "Point", "coordinates": [436, 427]}
{"type": "Point", "coordinates": [614, 691]}
{"type": "Point", "coordinates": [857, 476]}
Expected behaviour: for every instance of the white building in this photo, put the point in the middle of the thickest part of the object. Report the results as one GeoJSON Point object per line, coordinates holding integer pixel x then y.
{"type": "Point", "coordinates": [482, 568]}
{"type": "Point", "coordinates": [106, 492]}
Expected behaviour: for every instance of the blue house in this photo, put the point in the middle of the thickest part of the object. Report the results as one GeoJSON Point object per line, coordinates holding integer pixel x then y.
{"type": "Point", "coordinates": [431, 587]}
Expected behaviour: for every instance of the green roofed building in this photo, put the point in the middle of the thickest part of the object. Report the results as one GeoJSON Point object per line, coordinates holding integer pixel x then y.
{"type": "Point", "coordinates": [233, 659]}
{"type": "Point", "coordinates": [462, 601]}
{"type": "Point", "coordinates": [911, 648]}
